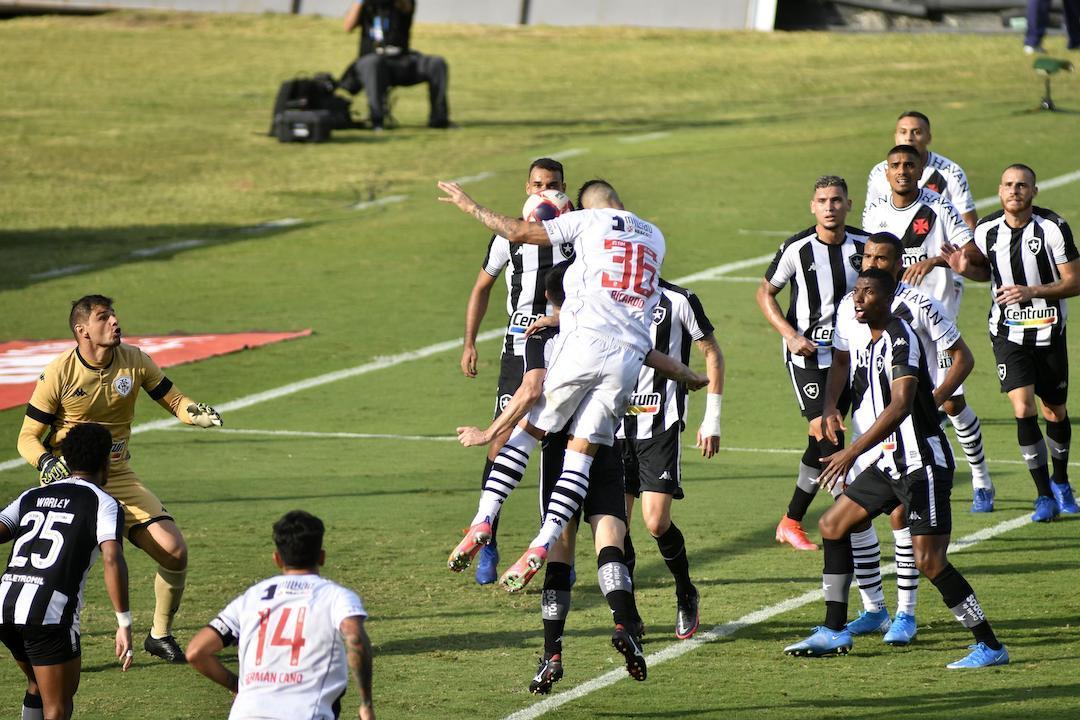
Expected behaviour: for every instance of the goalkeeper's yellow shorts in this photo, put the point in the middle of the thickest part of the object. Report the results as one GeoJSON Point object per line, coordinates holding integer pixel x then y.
{"type": "Point", "coordinates": [141, 507]}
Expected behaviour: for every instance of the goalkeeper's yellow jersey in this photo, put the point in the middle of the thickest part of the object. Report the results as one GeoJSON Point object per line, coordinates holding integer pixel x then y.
{"type": "Point", "coordinates": [71, 391]}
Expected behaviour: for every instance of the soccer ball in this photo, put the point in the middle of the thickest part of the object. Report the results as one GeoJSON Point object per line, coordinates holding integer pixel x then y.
{"type": "Point", "coordinates": [546, 205]}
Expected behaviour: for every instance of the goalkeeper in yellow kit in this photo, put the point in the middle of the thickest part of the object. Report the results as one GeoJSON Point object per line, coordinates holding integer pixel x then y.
{"type": "Point", "coordinates": [98, 381]}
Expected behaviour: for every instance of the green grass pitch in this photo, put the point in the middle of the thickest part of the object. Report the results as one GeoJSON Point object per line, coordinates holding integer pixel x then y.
{"type": "Point", "coordinates": [130, 131]}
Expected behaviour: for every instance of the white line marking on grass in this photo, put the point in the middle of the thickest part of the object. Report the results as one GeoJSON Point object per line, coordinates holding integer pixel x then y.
{"type": "Point", "coordinates": [572, 152]}
{"type": "Point", "coordinates": [328, 435]}
{"type": "Point", "coordinates": [473, 178]}
{"type": "Point", "coordinates": [59, 272]}
{"type": "Point", "coordinates": [644, 137]}
{"type": "Point", "coordinates": [389, 199]}
{"type": "Point", "coordinates": [715, 272]}
{"type": "Point", "coordinates": [271, 224]}
{"type": "Point", "coordinates": [167, 247]}
{"type": "Point", "coordinates": [676, 650]}
{"type": "Point", "coordinates": [737, 278]}
{"type": "Point", "coordinates": [793, 451]}
{"type": "Point", "coordinates": [378, 364]}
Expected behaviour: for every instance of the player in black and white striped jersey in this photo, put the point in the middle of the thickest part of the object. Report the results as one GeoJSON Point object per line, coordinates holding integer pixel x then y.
{"type": "Point", "coordinates": [649, 436]}
{"type": "Point", "coordinates": [526, 266]}
{"type": "Point", "coordinates": [940, 174]}
{"type": "Point", "coordinates": [821, 264]}
{"type": "Point", "coordinates": [59, 530]}
{"type": "Point", "coordinates": [891, 392]}
{"type": "Point", "coordinates": [925, 222]}
{"type": "Point", "coordinates": [1029, 256]}
{"type": "Point", "coordinates": [934, 329]}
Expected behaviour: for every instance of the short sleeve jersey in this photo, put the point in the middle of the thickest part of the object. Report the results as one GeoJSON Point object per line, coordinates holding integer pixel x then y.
{"type": "Point", "coordinates": [919, 440]}
{"type": "Point", "coordinates": [526, 267]}
{"type": "Point", "coordinates": [941, 175]}
{"type": "Point", "coordinates": [57, 530]}
{"type": "Point", "coordinates": [612, 285]}
{"type": "Point", "coordinates": [1026, 256]}
{"type": "Point", "coordinates": [657, 403]}
{"type": "Point", "coordinates": [923, 226]}
{"type": "Point", "coordinates": [70, 391]}
{"type": "Point", "coordinates": [292, 657]}
{"type": "Point", "coordinates": [925, 316]}
{"type": "Point", "coordinates": [820, 274]}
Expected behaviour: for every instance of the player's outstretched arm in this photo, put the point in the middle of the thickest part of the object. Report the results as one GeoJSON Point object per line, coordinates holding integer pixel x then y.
{"type": "Point", "coordinates": [202, 653]}
{"type": "Point", "coordinates": [358, 652]}
{"type": "Point", "coordinates": [177, 403]}
{"type": "Point", "coordinates": [203, 415]}
{"type": "Point", "coordinates": [530, 390]}
{"type": "Point", "coordinates": [672, 369]}
{"type": "Point", "coordinates": [116, 584]}
{"type": "Point", "coordinates": [513, 229]}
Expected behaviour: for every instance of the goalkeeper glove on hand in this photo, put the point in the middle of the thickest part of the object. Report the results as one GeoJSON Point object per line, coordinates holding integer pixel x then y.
{"type": "Point", "coordinates": [203, 415]}
{"type": "Point", "coordinates": [52, 468]}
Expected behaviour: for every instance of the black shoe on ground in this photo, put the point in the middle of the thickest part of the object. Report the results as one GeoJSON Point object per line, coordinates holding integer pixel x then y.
{"type": "Point", "coordinates": [549, 673]}
{"type": "Point", "coordinates": [630, 648]}
{"type": "Point", "coordinates": [165, 648]}
{"type": "Point", "coordinates": [686, 615]}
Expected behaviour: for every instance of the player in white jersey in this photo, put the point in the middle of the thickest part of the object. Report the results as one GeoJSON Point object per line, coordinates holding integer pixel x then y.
{"type": "Point", "coordinates": [934, 329]}
{"type": "Point", "coordinates": [925, 223]}
{"type": "Point", "coordinates": [820, 264]}
{"type": "Point", "coordinates": [526, 266]}
{"type": "Point", "coordinates": [650, 432]}
{"type": "Point", "coordinates": [604, 507]}
{"type": "Point", "coordinates": [940, 174]}
{"type": "Point", "coordinates": [59, 530]}
{"type": "Point", "coordinates": [611, 290]}
{"type": "Point", "coordinates": [299, 636]}
{"type": "Point", "coordinates": [890, 383]}
{"type": "Point", "coordinates": [1029, 256]}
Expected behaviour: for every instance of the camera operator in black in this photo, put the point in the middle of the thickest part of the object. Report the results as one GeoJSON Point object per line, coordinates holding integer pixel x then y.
{"type": "Point", "coordinates": [386, 59]}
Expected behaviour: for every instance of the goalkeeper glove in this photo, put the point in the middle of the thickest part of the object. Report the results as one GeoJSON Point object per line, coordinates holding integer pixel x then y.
{"type": "Point", "coordinates": [203, 415]}
{"type": "Point", "coordinates": [52, 468]}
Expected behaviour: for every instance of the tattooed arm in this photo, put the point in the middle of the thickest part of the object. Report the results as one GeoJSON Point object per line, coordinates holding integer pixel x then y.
{"type": "Point", "coordinates": [358, 652]}
{"type": "Point", "coordinates": [513, 229]}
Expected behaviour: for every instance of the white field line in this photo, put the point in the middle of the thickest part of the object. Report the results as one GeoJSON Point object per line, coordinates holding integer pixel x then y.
{"type": "Point", "coordinates": [388, 200]}
{"type": "Point", "coordinates": [59, 272]}
{"type": "Point", "coordinates": [167, 247]}
{"type": "Point", "coordinates": [572, 152]}
{"type": "Point", "coordinates": [644, 137]}
{"type": "Point", "coordinates": [271, 224]}
{"type": "Point", "coordinates": [1043, 185]}
{"type": "Point", "coordinates": [737, 279]}
{"type": "Point", "coordinates": [326, 435]}
{"type": "Point", "coordinates": [719, 632]}
{"type": "Point", "coordinates": [376, 364]}
{"type": "Point", "coordinates": [474, 178]}
{"type": "Point", "coordinates": [314, 434]}
{"type": "Point", "coordinates": [714, 273]}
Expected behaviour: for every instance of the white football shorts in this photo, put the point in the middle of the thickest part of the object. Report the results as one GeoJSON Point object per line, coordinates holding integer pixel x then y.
{"type": "Point", "coordinates": [589, 381]}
